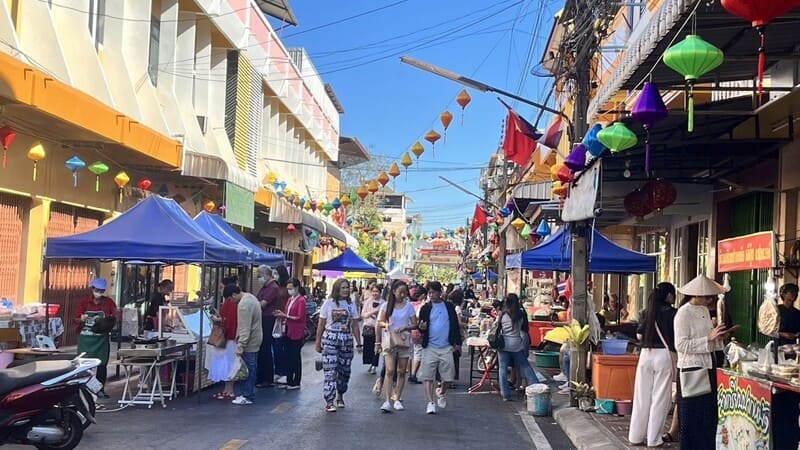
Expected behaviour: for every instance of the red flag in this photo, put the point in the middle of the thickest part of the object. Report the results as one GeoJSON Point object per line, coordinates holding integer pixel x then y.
{"type": "Point", "coordinates": [520, 138]}
{"type": "Point", "coordinates": [553, 134]}
{"type": "Point", "coordinates": [479, 219]}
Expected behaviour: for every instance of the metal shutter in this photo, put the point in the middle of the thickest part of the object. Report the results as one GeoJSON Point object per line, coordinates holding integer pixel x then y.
{"type": "Point", "coordinates": [244, 106]}
{"type": "Point", "coordinates": [11, 210]}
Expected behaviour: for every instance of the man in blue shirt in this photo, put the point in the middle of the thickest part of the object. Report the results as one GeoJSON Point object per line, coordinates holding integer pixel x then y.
{"type": "Point", "coordinates": [441, 334]}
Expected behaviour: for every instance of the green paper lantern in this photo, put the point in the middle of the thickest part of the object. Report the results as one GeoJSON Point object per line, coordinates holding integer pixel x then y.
{"type": "Point", "coordinates": [526, 231]}
{"type": "Point", "coordinates": [617, 137]}
{"type": "Point", "coordinates": [693, 57]}
{"type": "Point", "coordinates": [98, 168]}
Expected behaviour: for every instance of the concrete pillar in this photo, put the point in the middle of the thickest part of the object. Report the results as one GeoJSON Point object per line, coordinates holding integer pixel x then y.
{"type": "Point", "coordinates": [35, 236]}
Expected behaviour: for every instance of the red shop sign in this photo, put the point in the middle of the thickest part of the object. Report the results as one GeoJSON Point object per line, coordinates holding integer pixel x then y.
{"type": "Point", "coordinates": [754, 251]}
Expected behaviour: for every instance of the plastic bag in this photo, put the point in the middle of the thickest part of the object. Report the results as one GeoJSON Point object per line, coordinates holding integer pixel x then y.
{"type": "Point", "coordinates": [243, 373]}
{"type": "Point", "coordinates": [769, 318]}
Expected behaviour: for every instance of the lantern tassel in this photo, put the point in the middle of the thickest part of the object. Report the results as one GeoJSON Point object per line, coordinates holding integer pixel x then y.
{"type": "Point", "coordinates": [120, 196]}
{"type": "Point", "coordinates": [762, 61]}
{"type": "Point", "coordinates": [5, 158]}
{"type": "Point", "coordinates": [690, 109]}
{"type": "Point", "coordinates": [462, 117]}
{"type": "Point", "coordinates": [647, 152]}
{"type": "Point", "coordinates": [97, 184]}
{"type": "Point", "coordinates": [34, 171]}
{"type": "Point", "coordinates": [74, 179]}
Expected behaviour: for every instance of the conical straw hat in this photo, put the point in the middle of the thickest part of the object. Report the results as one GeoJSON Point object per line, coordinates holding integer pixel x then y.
{"type": "Point", "coordinates": [701, 286]}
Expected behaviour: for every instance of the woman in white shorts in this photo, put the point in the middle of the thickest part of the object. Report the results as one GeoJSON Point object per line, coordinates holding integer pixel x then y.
{"type": "Point", "coordinates": [396, 319]}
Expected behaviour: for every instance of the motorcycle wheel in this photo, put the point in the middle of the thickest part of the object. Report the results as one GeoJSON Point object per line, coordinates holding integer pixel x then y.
{"type": "Point", "coordinates": [76, 404]}
{"type": "Point", "coordinates": [73, 430]}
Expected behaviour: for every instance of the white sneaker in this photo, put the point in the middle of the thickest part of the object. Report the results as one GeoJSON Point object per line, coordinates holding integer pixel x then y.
{"type": "Point", "coordinates": [560, 377]}
{"type": "Point", "coordinates": [564, 386]}
{"type": "Point", "coordinates": [441, 402]}
{"type": "Point", "coordinates": [386, 407]}
{"type": "Point", "coordinates": [241, 400]}
{"type": "Point", "coordinates": [292, 388]}
{"type": "Point", "coordinates": [281, 380]}
{"type": "Point", "coordinates": [431, 409]}
{"type": "Point", "coordinates": [398, 405]}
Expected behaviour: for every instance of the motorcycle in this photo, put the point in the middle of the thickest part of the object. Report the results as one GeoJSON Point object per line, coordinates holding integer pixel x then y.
{"type": "Point", "coordinates": [47, 404]}
{"type": "Point", "coordinates": [311, 325]}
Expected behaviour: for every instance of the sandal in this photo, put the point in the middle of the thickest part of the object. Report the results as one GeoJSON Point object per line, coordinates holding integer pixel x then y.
{"type": "Point", "coordinates": [666, 437]}
{"type": "Point", "coordinates": [331, 408]}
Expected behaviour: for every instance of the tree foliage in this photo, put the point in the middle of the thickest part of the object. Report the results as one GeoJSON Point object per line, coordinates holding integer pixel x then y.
{"type": "Point", "coordinates": [444, 274]}
{"type": "Point", "coordinates": [371, 249]}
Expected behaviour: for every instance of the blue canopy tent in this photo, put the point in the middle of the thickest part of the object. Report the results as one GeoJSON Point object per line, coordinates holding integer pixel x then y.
{"type": "Point", "coordinates": [220, 229]}
{"type": "Point", "coordinates": [555, 253]}
{"type": "Point", "coordinates": [348, 261]}
{"type": "Point", "coordinates": [156, 229]}
{"type": "Point", "coordinates": [481, 275]}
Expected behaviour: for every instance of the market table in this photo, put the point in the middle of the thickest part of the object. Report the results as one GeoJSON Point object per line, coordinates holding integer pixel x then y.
{"type": "Point", "coordinates": [487, 357]}
{"type": "Point", "coordinates": [756, 413]}
{"type": "Point", "coordinates": [150, 361]}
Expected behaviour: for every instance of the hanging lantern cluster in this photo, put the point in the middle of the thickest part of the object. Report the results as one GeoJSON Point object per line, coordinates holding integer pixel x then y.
{"type": "Point", "coordinates": [654, 196]}
{"type": "Point", "coordinates": [648, 110]}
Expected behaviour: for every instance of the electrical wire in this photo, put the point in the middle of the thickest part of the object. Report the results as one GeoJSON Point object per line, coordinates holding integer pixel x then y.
{"type": "Point", "coordinates": [346, 19]}
{"type": "Point", "coordinates": [128, 19]}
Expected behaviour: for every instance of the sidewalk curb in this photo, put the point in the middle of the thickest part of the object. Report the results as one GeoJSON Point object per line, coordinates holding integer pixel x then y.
{"type": "Point", "coordinates": [584, 432]}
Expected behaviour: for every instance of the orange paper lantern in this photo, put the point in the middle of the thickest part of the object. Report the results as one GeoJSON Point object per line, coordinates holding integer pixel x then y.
{"type": "Point", "coordinates": [446, 117]}
{"type": "Point", "coordinates": [463, 99]}
{"type": "Point", "coordinates": [394, 171]}
{"type": "Point", "coordinates": [362, 192]}
{"type": "Point", "coordinates": [432, 136]}
{"type": "Point", "coordinates": [209, 206]}
{"type": "Point", "coordinates": [417, 149]}
{"type": "Point", "coordinates": [383, 178]}
{"type": "Point", "coordinates": [372, 186]}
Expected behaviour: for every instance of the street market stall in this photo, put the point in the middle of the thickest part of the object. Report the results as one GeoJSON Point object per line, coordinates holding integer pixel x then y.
{"type": "Point", "coordinates": [348, 261]}
{"type": "Point", "coordinates": [158, 230]}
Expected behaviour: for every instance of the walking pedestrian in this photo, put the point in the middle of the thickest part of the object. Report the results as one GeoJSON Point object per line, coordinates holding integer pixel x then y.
{"type": "Point", "coordinates": [396, 319]}
{"type": "Point", "coordinates": [696, 339]}
{"type": "Point", "coordinates": [268, 293]}
{"type": "Point", "coordinates": [652, 392]}
{"type": "Point", "coordinates": [419, 297]}
{"type": "Point", "coordinates": [369, 314]}
{"type": "Point", "coordinates": [295, 324]}
{"type": "Point", "coordinates": [439, 324]}
{"type": "Point", "coordinates": [279, 343]}
{"type": "Point", "coordinates": [516, 346]}
{"type": "Point", "coordinates": [249, 338]}
{"type": "Point", "coordinates": [336, 331]}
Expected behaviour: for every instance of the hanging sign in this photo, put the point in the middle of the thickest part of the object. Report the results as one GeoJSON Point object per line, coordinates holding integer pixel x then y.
{"type": "Point", "coordinates": [580, 202]}
{"type": "Point", "coordinates": [753, 251]}
{"type": "Point", "coordinates": [745, 408]}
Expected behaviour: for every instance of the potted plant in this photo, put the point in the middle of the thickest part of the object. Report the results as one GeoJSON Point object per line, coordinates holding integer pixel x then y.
{"type": "Point", "coordinates": [584, 393]}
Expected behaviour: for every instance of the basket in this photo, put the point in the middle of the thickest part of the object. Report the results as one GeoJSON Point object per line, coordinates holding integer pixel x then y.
{"type": "Point", "coordinates": [624, 407]}
{"type": "Point", "coordinates": [615, 346]}
{"type": "Point", "coordinates": [547, 360]}
{"type": "Point", "coordinates": [604, 406]}
{"type": "Point", "coordinates": [539, 404]}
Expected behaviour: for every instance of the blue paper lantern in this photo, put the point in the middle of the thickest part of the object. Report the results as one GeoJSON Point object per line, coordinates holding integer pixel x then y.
{"type": "Point", "coordinates": [592, 144]}
{"type": "Point", "coordinates": [75, 164]}
{"type": "Point", "coordinates": [505, 212]}
{"type": "Point", "coordinates": [543, 229]}
{"type": "Point", "coordinates": [336, 203]}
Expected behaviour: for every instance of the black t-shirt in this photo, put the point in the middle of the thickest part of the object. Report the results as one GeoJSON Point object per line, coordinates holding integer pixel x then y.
{"type": "Point", "coordinates": [790, 323]}
{"type": "Point", "coordinates": [156, 301]}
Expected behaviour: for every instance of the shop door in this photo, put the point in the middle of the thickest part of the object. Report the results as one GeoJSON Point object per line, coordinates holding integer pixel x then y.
{"type": "Point", "coordinates": [751, 213]}
{"type": "Point", "coordinates": [68, 280]}
{"type": "Point", "coordinates": [12, 208]}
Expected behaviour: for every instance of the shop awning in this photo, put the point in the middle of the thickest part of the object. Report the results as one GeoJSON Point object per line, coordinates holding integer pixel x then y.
{"type": "Point", "coordinates": [216, 161]}
{"type": "Point", "coordinates": [220, 229]}
{"type": "Point", "coordinates": [348, 261]}
{"type": "Point", "coordinates": [281, 211]}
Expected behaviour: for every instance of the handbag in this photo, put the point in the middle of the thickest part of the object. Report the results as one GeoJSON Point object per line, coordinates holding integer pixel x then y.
{"type": "Point", "coordinates": [217, 337]}
{"type": "Point", "coordinates": [393, 339]}
{"type": "Point", "coordinates": [368, 331]}
{"type": "Point", "coordinates": [495, 337]}
{"type": "Point", "coordinates": [694, 382]}
{"type": "Point", "coordinates": [672, 354]}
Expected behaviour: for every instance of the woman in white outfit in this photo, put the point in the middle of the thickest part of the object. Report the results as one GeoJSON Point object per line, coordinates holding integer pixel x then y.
{"type": "Point", "coordinates": [652, 392]}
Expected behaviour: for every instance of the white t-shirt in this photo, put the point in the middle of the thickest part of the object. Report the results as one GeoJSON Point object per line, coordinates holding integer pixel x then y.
{"type": "Point", "coordinates": [401, 318]}
{"type": "Point", "coordinates": [338, 316]}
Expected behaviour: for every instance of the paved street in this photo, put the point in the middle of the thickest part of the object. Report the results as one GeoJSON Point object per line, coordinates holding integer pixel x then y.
{"type": "Point", "coordinates": [295, 419]}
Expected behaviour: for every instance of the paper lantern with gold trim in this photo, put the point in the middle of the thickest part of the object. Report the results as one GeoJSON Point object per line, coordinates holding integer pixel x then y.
{"type": "Point", "coordinates": [383, 178]}
{"type": "Point", "coordinates": [432, 136]}
{"type": "Point", "coordinates": [417, 149]}
{"type": "Point", "coordinates": [121, 179]}
{"type": "Point", "coordinates": [463, 100]}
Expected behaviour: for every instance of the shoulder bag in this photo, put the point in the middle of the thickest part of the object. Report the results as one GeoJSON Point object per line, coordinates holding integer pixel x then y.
{"type": "Point", "coordinates": [672, 354]}
{"type": "Point", "coordinates": [694, 382]}
{"type": "Point", "coordinates": [217, 336]}
{"type": "Point", "coordinates": [495, 337]}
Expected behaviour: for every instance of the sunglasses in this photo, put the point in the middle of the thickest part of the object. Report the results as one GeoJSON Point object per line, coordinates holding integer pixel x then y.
{"type": "Point", "coordinates": [99, 290]}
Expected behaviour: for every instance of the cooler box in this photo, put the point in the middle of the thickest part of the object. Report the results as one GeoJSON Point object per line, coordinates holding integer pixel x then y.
{"type": "Point", "coordinates": [613, 376]}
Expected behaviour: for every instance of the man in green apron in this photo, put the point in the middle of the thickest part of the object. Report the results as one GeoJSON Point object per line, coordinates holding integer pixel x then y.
{"type": "Point", "coordinates": [95, 343]}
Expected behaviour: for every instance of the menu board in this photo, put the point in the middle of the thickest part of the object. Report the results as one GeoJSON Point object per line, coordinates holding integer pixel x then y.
{"type": "Point", "coordinates": [744, 409]}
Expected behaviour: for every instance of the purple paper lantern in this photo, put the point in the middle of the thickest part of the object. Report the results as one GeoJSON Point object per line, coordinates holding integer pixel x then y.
{"type": "Point", "coordinates": [576, 160]}
{"type": "Point", "coordinates": [649, 109]}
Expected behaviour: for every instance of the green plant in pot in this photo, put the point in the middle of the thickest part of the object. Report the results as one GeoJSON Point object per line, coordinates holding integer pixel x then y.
{"type": "Point", "coordinates": [584, 393]}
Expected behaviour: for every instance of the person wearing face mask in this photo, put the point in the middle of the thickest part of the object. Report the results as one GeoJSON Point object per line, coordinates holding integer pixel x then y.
{"type": "Point", "coordinates": [92, 311]}
{"type": "Point", "coordinates": [159, 299]}
{"type": "Point", "coordinates": [268, 298]}
{"type": "Point", "coordinates": [295, 324]}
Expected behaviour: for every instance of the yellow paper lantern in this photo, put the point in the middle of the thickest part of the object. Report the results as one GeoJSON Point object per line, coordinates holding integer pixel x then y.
{"type": "Point", "coordinates": [122, 179]}
{"type": "Point", "coordinates": [418, 149]}
{"type": "Point", "coordinates": [517, 223]}
{"type": "Point", "coordinates": [346, 201]}
{"type": "Point", "coordinates": [272, 178]}
{"type": "Point", "coordinates": [406, 160]}
{"type": "Point", "coordinates": [36, 154]}
{"type": "Point", "coordinates": [209, 206]}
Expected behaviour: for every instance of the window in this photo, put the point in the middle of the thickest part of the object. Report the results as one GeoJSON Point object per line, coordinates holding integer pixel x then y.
{"type": "Point", "coordinates": [97, 20]}
{"type": "Point", "coordinates": [677, 256]}
{"type": "Point", "coordinates": [702, 247]}
{"type": "Point", "coordinates": [152, 62]}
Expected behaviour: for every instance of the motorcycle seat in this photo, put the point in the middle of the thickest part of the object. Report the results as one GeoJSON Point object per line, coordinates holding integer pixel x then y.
{"type": "Point", "coordinates": [31, 373]}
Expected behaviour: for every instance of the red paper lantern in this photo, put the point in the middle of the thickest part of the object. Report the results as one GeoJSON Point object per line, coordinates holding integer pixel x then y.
{"type": "Point", "coordinates": [7, 135]}
{"type": "Point", "coordinates": [144, 184]}
{"type": "Point", "coordinates": [760, 13]}
{"type": "Point", "coordinates": [291, 228]}
{"type": "Point", "coordinates": [660, 193]}
{"type": "Point", "coordinates": [637, 204]}
{"type": "Point", "coordinates": [565, 175]}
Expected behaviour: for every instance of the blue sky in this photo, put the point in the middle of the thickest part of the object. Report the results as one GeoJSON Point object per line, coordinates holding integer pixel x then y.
{"type": "Point", "coordinates": [390, 105]}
